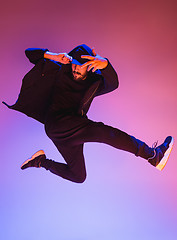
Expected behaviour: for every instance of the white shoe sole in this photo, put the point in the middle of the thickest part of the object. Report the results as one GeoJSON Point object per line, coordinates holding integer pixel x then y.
{"type": "Point", "coordinates": [164, 160]}
{"type": "Point", "coordinates": [38, 153]}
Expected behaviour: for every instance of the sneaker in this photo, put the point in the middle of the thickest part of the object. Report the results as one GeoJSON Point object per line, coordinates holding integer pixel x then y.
{"type": "Point", "coordinates": [161, 153]}
{"type": "Point", "coordinates": [35, 160]}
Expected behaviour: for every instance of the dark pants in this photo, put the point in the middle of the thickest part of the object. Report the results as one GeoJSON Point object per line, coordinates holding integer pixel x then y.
{"type": "Point", "coordinates": [69, 133]}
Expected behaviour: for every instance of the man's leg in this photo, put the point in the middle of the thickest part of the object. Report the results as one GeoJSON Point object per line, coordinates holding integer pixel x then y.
{"type": "Point", "coordinates": [99, 132]}
{"type": "Point", "coordinates": [74, 170]}
{"type": "Point", "coordinates": [76, 130]}
{"type": "Point", "coordinates": [80, 130]}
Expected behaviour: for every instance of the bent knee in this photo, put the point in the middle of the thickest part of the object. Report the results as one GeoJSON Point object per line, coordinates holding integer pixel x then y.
{"type": "Point", "coordinates": [80, 178]}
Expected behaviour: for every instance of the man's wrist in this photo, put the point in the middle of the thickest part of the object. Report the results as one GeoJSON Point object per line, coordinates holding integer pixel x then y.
{"type": "Point", "coordinates": [49, 55]}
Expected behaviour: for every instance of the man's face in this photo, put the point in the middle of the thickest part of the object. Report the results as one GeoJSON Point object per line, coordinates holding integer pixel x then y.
{"type": "Point", "coordinates": [78, 72]}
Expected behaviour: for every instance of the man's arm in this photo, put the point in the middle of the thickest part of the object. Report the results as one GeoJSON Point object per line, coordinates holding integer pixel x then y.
{"type": "Point", "coordinates": [63, 58]}
{"type": "Point", "coordinates": [110, 78]}
{"type": "Point", "coordinates": [36, 54]}
{"type": "Point", "coordinates": [96, 62]}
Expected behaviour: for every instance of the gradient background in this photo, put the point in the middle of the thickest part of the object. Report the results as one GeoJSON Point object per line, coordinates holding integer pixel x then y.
{"type": "Point", "coordinates": [123, 197]}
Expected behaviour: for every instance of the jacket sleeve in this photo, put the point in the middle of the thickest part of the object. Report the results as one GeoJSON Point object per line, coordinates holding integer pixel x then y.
{"type": "Point", "coordinates": [109, 80]}
{"type": "Point", "coordinates": [35, 54]}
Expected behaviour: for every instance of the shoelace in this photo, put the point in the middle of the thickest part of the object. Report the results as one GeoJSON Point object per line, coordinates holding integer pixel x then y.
{"type": "Point", "coordinates": [154, 145]}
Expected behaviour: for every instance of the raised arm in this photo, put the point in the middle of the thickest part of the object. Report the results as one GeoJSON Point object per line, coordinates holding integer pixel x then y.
{"type": "Point", "coordinates": [63, 58]}
{"type": "Point", "coordinates": [110, 78]}
{"type": "Point", "coordinates": [36, 54]}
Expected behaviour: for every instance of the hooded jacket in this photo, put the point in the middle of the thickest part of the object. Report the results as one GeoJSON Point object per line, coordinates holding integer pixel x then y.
{"type": "Point", "coordinates": [36, 91]}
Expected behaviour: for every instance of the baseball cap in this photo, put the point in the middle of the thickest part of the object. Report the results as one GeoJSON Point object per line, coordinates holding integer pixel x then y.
{"type": "Point", "coordinates": [78, 51]}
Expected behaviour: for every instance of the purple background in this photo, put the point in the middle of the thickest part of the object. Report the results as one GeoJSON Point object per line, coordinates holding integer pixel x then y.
{"type": "Point", "coordinates": [123, 197]}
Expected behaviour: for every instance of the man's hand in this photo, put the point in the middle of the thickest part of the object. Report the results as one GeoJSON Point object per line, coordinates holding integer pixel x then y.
{"type": "Point", "coordinates": [96, 62]}
{"type": "Point", "coordinates": [63, 58]}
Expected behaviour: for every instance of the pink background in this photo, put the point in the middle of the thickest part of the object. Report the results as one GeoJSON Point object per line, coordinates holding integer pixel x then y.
{"type": "Point", "coordinates": [123, 197]}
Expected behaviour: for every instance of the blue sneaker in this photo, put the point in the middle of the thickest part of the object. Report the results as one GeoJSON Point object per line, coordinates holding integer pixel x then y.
{"type": "Point", "coordinates": [162, 153]}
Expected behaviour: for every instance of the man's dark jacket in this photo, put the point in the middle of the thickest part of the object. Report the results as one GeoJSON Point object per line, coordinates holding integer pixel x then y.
{"type": "Point", "coordinates": [37, 85]}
